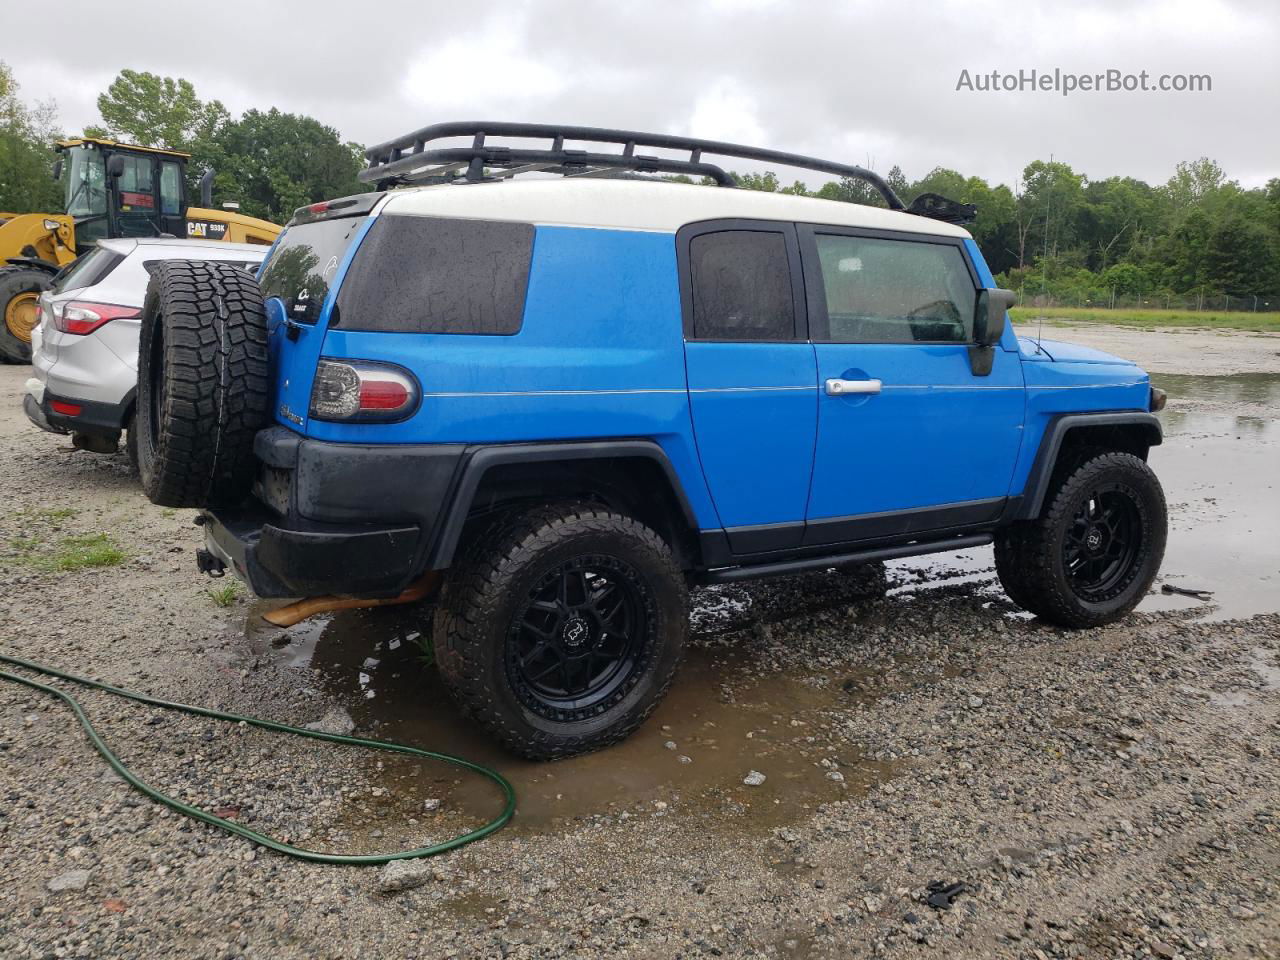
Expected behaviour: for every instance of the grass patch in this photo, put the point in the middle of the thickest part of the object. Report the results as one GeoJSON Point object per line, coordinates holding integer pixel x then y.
{"type": "Point", "coordinates": [61, 513]}
{"type": "Point", "coordinates": [83, 552]}
{"type": "Point", "coordinates": [23, 547]}
{"type": "Point", "coordinates": [225, 595]}
{"type": "Point", "coordinates": [426, 648]}
{"type": "Point", "coordinates": [1151, 319]}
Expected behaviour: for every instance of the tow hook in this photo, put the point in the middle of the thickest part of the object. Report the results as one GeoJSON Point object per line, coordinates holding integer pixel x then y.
{"type": "Point", "coordinates": [209, 564]}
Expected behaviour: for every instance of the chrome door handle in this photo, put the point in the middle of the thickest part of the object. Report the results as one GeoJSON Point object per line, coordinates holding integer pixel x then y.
{"type": "Point", "coordinates": [840, 388]}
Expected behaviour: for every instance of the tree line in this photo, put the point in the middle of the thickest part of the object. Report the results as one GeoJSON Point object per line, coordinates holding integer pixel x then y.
{"type": "Point", "coordinates": [1060, 234]}
{"type": "Point", "coordinates": [1057, 232]}
{"type": "Point", "coordinates": [269, 162]}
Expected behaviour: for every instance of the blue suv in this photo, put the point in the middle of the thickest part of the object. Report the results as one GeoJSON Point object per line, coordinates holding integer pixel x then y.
{"type": "Point", "coordinates": [559, 402]}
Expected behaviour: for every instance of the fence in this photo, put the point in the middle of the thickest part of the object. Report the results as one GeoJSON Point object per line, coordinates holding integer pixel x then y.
{"type": "Point", "coordinates": [1111, 300]}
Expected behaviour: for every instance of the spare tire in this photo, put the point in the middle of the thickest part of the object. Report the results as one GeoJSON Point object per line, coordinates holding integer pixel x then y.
{"type": "Point", "coordinates": [203, 383]}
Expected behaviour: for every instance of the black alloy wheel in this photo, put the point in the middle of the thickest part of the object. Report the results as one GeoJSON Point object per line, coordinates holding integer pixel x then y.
{"type": "Point", "coordinates": [583, 634]}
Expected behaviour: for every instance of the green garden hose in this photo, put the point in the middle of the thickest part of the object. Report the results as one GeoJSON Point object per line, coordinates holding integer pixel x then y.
{"type": "Point", "coordinates": [232, 827]}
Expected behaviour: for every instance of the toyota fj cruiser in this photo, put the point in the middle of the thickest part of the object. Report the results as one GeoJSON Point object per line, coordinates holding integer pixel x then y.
{"type": "Point", "coordinates": [570, 398]}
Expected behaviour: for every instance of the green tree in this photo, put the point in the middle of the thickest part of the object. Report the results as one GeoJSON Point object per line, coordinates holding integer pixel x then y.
{"type": "Point", "coordinates": [273, 163]}
{"type": "Point", "coordinates": [1194, 181]}
{"type": "Point", "coordinates": [1240, 258]}
{"type": "Point", "coordinates": [155, 111]}
{"type": "Point", "coordinates": [1117, 212]}
{"type": "Point", "coordinates": [1054, 196]}
{"type": "Point", "coordinates": [766, 182]}
{"type": "Point", "coordinates": [26, 152]}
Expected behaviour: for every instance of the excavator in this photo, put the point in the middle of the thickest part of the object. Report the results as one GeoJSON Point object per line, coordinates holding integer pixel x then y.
{"type": "Point", "coordinates": [111, 190]}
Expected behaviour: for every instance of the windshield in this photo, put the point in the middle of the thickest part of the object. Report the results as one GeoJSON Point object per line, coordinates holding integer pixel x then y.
{"type": "Point", "coordinates": [304, 264]}
{"type": "Point", "coordinates": [86, 183]}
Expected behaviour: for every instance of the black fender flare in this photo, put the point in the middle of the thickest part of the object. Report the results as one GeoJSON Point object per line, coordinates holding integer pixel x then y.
{"type": "Point", "coordinates": [478, 460]}
{"type": "Point", "coordinates": [1037, 486]}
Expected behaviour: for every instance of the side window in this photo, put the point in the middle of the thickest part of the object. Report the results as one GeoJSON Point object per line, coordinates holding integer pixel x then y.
{"type": "Point", "coordinates": [741, 282]}
{"type": "Point", "coordinates": [894, 291]}
{"type": "Point", "coordinates": [170, 188]}
{"type": "Point", "coordinates": [437, 275]}
{"type": "Point", "coordinates": [136, 190]}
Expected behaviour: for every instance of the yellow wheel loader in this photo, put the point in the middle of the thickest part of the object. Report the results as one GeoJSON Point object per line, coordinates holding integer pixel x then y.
{"type": "Point", "coordinates": [112, 190]}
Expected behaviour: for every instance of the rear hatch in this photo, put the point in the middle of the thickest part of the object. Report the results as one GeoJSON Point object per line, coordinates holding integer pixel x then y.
{"type": "Point", "coordinates": [299, 280]}
{"type": "Point", "coordinates": [85, 271]}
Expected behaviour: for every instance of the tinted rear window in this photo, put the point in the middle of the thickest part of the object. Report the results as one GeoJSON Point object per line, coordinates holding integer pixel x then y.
{"type": "Point", "coordinates": [85, 271]}
{"type": "Point", "coordinates": [741, 286]}
{"type": "Point", "coordinates": [438, 275]}
{"type": "Point", "coordinates": [304, 264]}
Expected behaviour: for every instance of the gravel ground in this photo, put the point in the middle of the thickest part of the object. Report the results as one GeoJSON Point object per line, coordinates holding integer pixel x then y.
{"type": "Point", "coordinates": [1105, 793]}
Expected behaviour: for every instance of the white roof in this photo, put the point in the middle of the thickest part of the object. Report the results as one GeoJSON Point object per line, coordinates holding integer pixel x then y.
{"type": "Point", "coordinates": [126, 245]}
{"type": "Point", "coordinates": [639, 205]}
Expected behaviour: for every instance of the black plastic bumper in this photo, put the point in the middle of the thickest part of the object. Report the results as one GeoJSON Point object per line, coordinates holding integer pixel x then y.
{"type": "Point", "coordinates": [334, 517]}
{"type": "Point", "coordinates": [98, 419]}
{"type": "Point", "coordinates": [280, 562]}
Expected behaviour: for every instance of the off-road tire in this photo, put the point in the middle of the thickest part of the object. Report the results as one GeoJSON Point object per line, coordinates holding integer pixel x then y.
{"type": "Point", "coordinates": [486, 590]}
{"type": "Point", "coordinates": [1030, 554]}
{"type": "Point", "coordinates": [203, 383]}
{"type": "Point", "coordinates": [14, 282]}
{"type": "Point", "coordinates": [131, 441]}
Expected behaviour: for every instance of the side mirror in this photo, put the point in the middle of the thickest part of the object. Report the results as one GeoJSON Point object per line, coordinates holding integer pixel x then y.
{"type": "Point", "coordinates": [989, 315]}
{"type": "Point", "coordinates": [115, 166]}
{"type": "Point", "coordinates": [57, 169]}
{"type": "Point", "coordinates": [206, 188]}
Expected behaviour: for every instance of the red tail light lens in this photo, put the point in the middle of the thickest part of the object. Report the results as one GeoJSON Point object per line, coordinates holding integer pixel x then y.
{"type": "Point", "coordinates": [361, 391]}
{"type": "Point", "coordinates": [81, 316]}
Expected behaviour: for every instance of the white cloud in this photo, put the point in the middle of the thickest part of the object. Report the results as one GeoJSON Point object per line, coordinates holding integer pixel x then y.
{"type": "Point", "coordinates": [851, 81]}
{"type": "Point", "coordinates": [726, 112]}
{"type": "Point", "coordinates": [475, 74]}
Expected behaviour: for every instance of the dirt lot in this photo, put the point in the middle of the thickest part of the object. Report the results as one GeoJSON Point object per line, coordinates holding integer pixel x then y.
{"type": "Point", "coordinates": [1106, 793]}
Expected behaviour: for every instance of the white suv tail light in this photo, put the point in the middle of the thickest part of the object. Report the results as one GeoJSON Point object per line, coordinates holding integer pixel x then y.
{"type": "Point", "coordinates": [81, 317]}
{"type": "Point", "coordinates": [362, 391]}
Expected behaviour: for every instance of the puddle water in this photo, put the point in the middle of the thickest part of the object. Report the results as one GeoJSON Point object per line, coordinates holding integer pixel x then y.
{"type": "Point", "coordinates": [1220, 467]}
{"type": "Point", "coordinates": [717, 723]}
{"type": "Point", "coordinates": [728, 714]}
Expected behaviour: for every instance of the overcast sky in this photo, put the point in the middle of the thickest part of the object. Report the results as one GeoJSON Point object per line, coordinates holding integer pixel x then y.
{"type": "Point", "coordinates": [856, 81]}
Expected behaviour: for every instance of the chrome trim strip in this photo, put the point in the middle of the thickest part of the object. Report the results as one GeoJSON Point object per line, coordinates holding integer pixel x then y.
{"type": "Point", "coordinates": [592, 393]}
{"type": "Point", "coordinates": [940, 388]}
{"type": "Point", "coordinates": [550, 393]}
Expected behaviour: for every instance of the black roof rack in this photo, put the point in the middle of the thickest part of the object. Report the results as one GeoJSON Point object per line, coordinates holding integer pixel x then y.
{"type": "Point", "coordinates": [411, 159]}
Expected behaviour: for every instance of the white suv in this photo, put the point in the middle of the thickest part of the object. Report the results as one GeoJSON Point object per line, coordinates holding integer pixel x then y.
{"type": "Point", "coordinates": [85, 350]}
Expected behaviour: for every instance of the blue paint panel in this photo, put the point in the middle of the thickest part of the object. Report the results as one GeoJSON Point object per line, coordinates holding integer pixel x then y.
{"type": "Point", "coordinates": [600, 355]}
{"type": "Point", "coordinates": [293, 362]}
{"type": "Point", "coordinates": [1054, 388]}
{"type": "Point", "coordinates": [755, 418]}
{"type": "Point", "coordinates": [935, 434]}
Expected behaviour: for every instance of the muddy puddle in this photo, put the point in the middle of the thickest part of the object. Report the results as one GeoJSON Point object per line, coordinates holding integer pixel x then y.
{"type": "Point", "coordinates": [731, 712]}
{"type": "Point", "coordinates": [720, 721]}
{"type": "Point", "coordinates": [1220, 468]}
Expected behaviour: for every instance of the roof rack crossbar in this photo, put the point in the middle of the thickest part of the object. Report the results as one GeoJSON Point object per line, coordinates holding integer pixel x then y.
{"type": "Point", "coordinates": [399, 161]}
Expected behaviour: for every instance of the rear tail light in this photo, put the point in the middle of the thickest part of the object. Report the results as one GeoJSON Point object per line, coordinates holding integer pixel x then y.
{"type": "Point", "coordinates": [361, 391]}
{"type": "Point", "coordinates": [81, 317]}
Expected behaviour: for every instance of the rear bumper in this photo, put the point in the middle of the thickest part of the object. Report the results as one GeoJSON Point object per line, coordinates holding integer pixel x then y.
{"type": "Point", "coordinates": [335, 518]}
{"type": "Point", "coordinates": [54, 414]}
{"type": "Point", "coordinates": [276, 561]}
